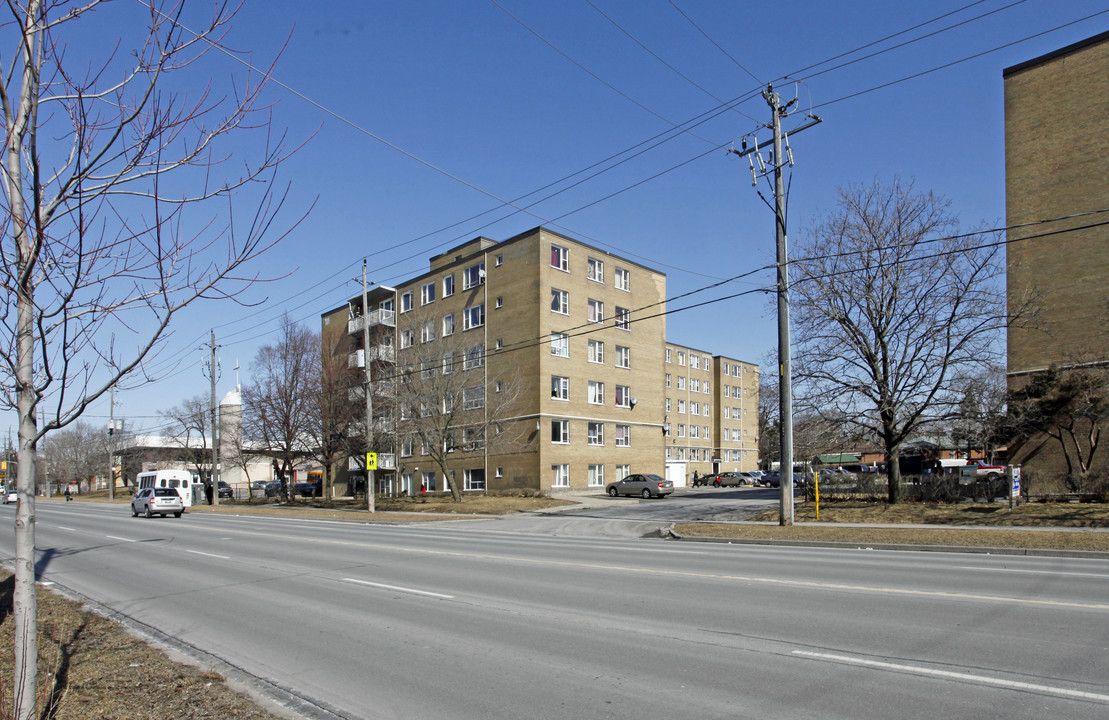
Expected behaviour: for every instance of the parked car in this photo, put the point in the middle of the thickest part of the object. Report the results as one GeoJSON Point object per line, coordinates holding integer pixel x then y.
{"type": "Point", "coordinates": [153, 501]}
{"type": "Point", "coordinates": [273, 488]}
{"type": "Point", "coordinates": [644, 485]}
{"type": "Point", "coordinates": [307, 489]}
{"type": "Point", "coordinates": [774, 479]}
{"type": "Point", "coordinates": [11, 496]}
{"type": "Point", "coordinates": [727, 479]}
{"type": "Point", "coordinates": [225, 490]}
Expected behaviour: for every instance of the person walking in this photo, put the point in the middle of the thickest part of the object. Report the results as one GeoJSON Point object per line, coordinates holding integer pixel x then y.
{"type": "Point", "coordinates": [68, 497]}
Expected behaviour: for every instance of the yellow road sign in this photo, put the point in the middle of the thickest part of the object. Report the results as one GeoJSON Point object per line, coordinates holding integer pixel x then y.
{"type": "Point", "coordinates": [371, 461]}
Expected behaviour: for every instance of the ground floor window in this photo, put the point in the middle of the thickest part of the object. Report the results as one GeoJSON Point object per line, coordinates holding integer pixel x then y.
{"type": "Point", "coordinates": [596, 475]}
{"type": "Point", "coordinates": [560, 476]}
{"type": "Point", "coordinates": [473, 479]}
{"type": "Point", "coordinates": [622, 471]}
{"type": "Point", "coordinates": [428, 481]}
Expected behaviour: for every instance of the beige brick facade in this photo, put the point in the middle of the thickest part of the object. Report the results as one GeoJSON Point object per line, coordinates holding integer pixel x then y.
{"type": "Point", "coordinates": [1057, 164]}
{"type": "Point", "coordinates": [579, 334]}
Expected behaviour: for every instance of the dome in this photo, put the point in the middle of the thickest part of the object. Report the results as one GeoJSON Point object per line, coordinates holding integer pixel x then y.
{"type": "Point", "coordinates": [235, 397]}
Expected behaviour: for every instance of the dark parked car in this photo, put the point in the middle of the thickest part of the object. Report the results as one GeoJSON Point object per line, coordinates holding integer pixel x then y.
{"type": "Point", "coordinates": [273, 488]}
{"type": "Point", "coordinates": [307, 489]}
{"type": "Point", "coordinates": [225, 490]}
{"type": "Point", "coordinates": [774, 479]}
{"type": "Point", "coordinates": [644, 485]}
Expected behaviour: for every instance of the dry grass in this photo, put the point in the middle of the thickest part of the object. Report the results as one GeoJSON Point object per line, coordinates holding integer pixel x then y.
{"type": "Point", "coordinates": [993, 519]}
{"type": "Point", "coordinates": [90, 667]}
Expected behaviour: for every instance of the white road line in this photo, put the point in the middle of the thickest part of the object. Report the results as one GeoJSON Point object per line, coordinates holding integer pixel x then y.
{"type": "Point", "coordinates": [113, 537]}
{"type": "Point", "coordinates": [399, 589]}
{"type": "Point", "coordinates": [197, 552]}
{"type": "Point", "coordinates": [1035, 572]}
{"type": "Point", "coordinates": [962, 677]}
{"type": "Point", "coordinates": [63, 527]}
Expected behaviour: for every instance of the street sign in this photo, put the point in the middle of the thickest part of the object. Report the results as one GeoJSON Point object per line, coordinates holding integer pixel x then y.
{"type": "Point", "coordinates": [371, 461]}
{"type": "Point", "coordinates": [1014, 488]}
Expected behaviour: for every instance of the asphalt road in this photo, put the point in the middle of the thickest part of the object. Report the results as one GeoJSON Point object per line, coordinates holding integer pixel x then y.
{"type": "Point", "coordinates": [461, 620]}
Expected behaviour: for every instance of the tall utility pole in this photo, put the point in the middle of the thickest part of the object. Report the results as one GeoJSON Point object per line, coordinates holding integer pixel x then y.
{"type": "Point", "coordinates": [369, 391]}
{"type": "Point", "coordinates": [215, 435]}
{"type": "Point", "coordinates": [111, 441]}
{"type": "Point", "coordinates": [778, 160]}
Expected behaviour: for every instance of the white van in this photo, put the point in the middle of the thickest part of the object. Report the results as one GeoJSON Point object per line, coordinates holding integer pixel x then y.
{"type": "Point", "coordinates": [180, 480]}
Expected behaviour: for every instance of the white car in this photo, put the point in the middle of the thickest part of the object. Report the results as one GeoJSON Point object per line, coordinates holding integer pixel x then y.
{"type": "Point", "coordinates": [157, 501]}
{"type": "Point", "coordinates": [11, 496]}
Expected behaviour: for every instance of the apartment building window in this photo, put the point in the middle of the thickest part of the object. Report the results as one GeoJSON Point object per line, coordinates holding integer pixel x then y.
{"type": "Point", "coordinates": [727, 413]}
{"type": "Point", "coordinates": [560, 387]}
{"type": "Point", "coordinates": [694, 385]}
{"type": "Point", "coordinates": [473, 276]}
{"type": "Point", "coordinates": [560, 476]}
{"type": "Point", "coordinates": [474, 317]}
{"type": "Point", "coordinates": [448, 286]}
{"type": "Point", "coordinates": [707, 435]}
{"type": "Point", "coordinates": [666, 430]}
{"type": "Point", "coordinates": [694, 362]}
{"type": "Point", "coordinates": [735, 435]}
{"type": "Point", "coordinates": [560, 301]}
{"type": "Point", "coordinates": [596, 351]}
{"type": "Point", "coordinates": [694, 408]}
{"type": "Point", "coordinates": [407, 338]}
{"type": "Point", "coordinates": [596, 311]}
{"type": "Point", "coordinates": [668, 401]}
{"type": "Point", "coordinates": [681, 407]}
{"type": "Point", "coordinates": [560, 432]}
{"type": "Point", "coordinates": [500, 386]}
{"type": "Point", "coordinates": [668, 380]}
{"type": "Point", "coordinates": [623, 318]}
{"type": "Point", "coordinates": [448, 324]}
{"type": "Point", "coordinates": [448, 406]}
{"type": "Point", "coordinates": [681, 382]}
{"type": "Point", "coordinates": [448, 363]}
{"type": "Point", "coordinates": [427, 293]}
{"type": "Point", "coordinates": [427, 369]}
{"type": "Point", "coordinates": [706, 385]}
{"type": "Point", "coordinates": [667, 354]}
{"type": "Point", "coordinates": [623, 357]}
{"type": "Point", "coordinates": [475, 357]}
{"type": "Point", "coordinates": [560, 344]}
{"type": "Point", "coordinates": [473, 479]}
{"type": "Point", "coordinates": [707, 409]}
{"type": "Point", "coordinates": [707, 362]}
{"type": "Point", "coordinates": [596, 475]}
{"type": "Point", "coordinates": [623, 396]}
{"type": "Point", "coordinates": [473, 437]}
{"type": "Point", "coordinates": [499, 303]}
{"type": "Point", "coordinates": [596, 393]}
{"type": "Point", "coordinates": [596, 270]}
{"type": "Point", "coordinates": [427, 331]}
{"type": "Point", "coordinates": [406, 446]}
{"type": "Point", "coordinates": [623, 435]}
{"type": "Point", "coordinates": [406, 301]}
{"type": "Point", "coordinates": [681, 358]}
{"type": "Point", "coordinates": [560, 258]}
{"type": "Point", "coordinates": [596, 433]}
{"type": "Point", "coordinates": [681, 430]}
{"type": "Point", "coordinates": [499, 261]}
{"type": "Point", "coordinates": [694, 432]}
{"type": "Point", "coordinates": [499, 472]}
{"type": "Point", "coordinates": [622, 280]}
{"type": "Point", "coordinates": [473, 397]}
{"type": "Point", "coordinates": [425, 410]}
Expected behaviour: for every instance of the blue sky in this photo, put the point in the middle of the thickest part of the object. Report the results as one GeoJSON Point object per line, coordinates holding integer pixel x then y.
{"type": "Point", "coordinates": [421, 114]}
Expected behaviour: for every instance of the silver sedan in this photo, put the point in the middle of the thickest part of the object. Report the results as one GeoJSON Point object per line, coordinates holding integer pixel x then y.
{"type": "Point", "coordinates": [643, 485]}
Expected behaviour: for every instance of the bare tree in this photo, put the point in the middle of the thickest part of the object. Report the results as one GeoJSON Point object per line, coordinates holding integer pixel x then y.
{"type": "Point", "coordinates": [453, 398]}
{"type": "Point", "coordinates": [78, 452]}
{"type": "Point", "coordinates": [339, 417]}
{"type": "Point", "coordinates": [189, 429]}
{"type": "Point", "coordinates": [105, 159]}
{"type": "Point", "coordinates": [891, 309]}
{"type": "Point", "coordinates": [1070, 406]}
{"type": "Point", "coordinates": [980, 418]}
{"type": "Point", "coordinates": [281, 401]}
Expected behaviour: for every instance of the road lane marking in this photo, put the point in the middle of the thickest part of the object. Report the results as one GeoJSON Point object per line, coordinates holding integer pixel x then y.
{"type": "Point", "coordinates": [63, 527]}
{"type": "Point", "coordinates": [113, 537]}
{"type": "Point", "coordinates": [962, 677]}
{"type": "Point", "coordinates": [399, 589]}
{"type": "Point", "coordinates": [1036, 572]}
{"type": "Point", "coordinates": [197, 552]}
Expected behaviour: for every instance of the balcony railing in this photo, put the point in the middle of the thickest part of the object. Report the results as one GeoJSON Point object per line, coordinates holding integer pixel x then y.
{"type": "Point", "coordinates": [376, 317]}
{"type": "Point", "coordinates": [378, 353]}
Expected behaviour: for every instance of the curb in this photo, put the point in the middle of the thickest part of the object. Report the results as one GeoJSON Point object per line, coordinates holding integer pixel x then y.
{"type": "Point", "coordinates": [1031, 552]}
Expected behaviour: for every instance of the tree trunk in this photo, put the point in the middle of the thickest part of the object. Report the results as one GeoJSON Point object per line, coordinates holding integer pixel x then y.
{"type": "Point", "coordinates": [893, 474]}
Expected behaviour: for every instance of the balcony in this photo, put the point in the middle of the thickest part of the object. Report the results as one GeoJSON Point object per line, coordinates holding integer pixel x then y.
{"type": "Point", "coordinates": [388, 318]}
{"type": "Point", "coordinates": [378, 353]}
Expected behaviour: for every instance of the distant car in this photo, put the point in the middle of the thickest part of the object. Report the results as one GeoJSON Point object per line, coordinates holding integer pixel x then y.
{"type": "Point", "coordinates": [225, 490]}
{"type": "Point", "coordinates": [273, 488]}
{"type": "Point", "coordinates": [11, 496]}
{"type": "Point", "coordinates": [307, 489]}
{"type": "Point", "coordinates": [774, 479]}
{"type": "Point", "coordinates": [157, 501]}
{"type": "Point", "coordinates": [727, 479]}
{"type": "Point", "coordinates": [643, 485]}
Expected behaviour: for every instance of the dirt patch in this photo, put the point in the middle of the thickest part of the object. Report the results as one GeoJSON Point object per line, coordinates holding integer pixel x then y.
{"type": "Point", "coordinates": [90, 667]}
{"type": "Point", "coordinates": [991, 521]}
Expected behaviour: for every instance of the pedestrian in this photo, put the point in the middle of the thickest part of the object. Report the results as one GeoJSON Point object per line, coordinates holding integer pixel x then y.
{"type": "Point", "coordinates": [68, 497]}
{"type": "Point", "coordinates": [423, 489]}
{"type": "Point", "coordinates": [695, 482]}
{"type": "Point", "coordinates": [208, 491]}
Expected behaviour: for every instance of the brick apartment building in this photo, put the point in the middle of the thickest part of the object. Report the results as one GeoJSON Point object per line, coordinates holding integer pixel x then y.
{"type": "Point", "coordinates": [558, 350]}
{"type": "Point", "coordinates": [1057, 165]}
